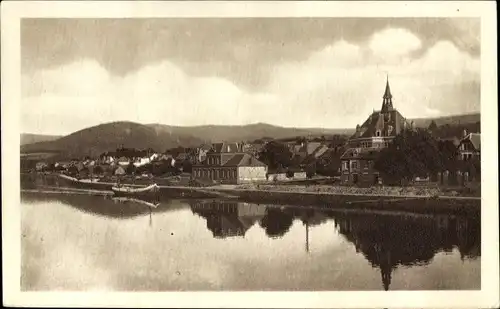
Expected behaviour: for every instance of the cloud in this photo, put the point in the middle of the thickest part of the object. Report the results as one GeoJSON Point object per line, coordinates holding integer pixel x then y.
{"type": "Point", "coordinates": [336, 86]}
{"type": "Point", "coordinates": [394, 42]}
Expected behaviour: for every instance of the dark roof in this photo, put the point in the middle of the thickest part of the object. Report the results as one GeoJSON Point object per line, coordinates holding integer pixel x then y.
{"type": "Point", "coordinates": [360, 153]}
{"type": "Point", "coordinates": [225, 147]}
{"type": "Point", "coordinates": [376, 122]}
{"type": "Point", "coordinates": [205, 147]}
{"type": "Point", "coordinates": [243, 159]}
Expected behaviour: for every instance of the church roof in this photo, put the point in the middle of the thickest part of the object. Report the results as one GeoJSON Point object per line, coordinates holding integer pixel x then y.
{"type": "Point", "coordinates": [388, 120]}
{"type": "Point", "coordinates": [376, 122]}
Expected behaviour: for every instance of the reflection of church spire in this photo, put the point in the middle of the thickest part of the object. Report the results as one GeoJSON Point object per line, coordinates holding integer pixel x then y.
{"type": "Point", "coordinates": [386, 277]}
{"type": "Point", "coordinates": [307, 237]}
{"type": "Point", "coordinates": [385, 267]}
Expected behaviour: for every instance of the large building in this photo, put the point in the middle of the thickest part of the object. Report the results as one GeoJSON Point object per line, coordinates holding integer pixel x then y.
{"type": "Point", "coordinates": [227, 163]}
{"type": "Point", "coordinates": [381, 127]}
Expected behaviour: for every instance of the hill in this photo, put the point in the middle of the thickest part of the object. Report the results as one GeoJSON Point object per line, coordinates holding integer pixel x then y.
{"type": "Point", "coordinates": [107, 137]}
{"type": "Point", "coordinates": [448, 120]}
{"type": "Point", "coordinates": [27, 138]}
{"type": "Point", "coordinates": [218, 133]}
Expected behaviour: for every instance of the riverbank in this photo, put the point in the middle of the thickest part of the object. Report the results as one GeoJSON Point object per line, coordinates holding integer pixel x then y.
{"type": "Point", "coordinates": [409, 199]}
{"type": "Point", "coordinates": [381, 191]}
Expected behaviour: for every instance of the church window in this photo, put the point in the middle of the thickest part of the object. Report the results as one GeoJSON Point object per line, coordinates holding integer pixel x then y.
{"type": "Point", "coordinates": [377, 133]}
{"type": "Point", "coordinates": [389, 129]}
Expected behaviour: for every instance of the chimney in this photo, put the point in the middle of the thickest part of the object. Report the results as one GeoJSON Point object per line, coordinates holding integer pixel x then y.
{"type": "Point", "coordinates": [358, 127]}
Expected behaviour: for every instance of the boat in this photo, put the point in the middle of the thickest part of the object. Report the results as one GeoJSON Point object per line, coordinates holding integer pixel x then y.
{"type": "Point", "coordinates": [91, 183]}
{"type": "Point", "coordinates": [134, 200]}
{"type": "Point", "coordinates": [127, 191]}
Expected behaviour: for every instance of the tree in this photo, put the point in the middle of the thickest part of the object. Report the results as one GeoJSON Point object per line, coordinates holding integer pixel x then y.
{"type": "Point", "coordinates": [131, 169]}
{"type": "Point", "coordinates": [448, 156]}
{"type": "Point", "coordinates": [433, 126]}
{"type": "Point", "coordinates": [276, 223]}
{"type": "Point", "coordinates": [411, 154]}
{"type": "Point", "coordinates": [187, 166]}
{"type": "Point", "coordinates": [311, 170]}
{"type": "Point", "coordinates": [276, 155]}
{"type": "Point", "coordinates": [98, 170]}
{"type": "Point", "coordinates": [72, 170]}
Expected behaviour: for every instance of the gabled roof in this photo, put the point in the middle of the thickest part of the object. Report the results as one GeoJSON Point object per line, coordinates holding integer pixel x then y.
{"type": "Point", "coordinates": [225, 148]}
{"type": "Point", "coordinates": [376, 122]}
{"type": "Point", "coordinates": [475, 139]}
{"type": "Point", "coordinates": [360, 153]}
{"type": "Point", "coordinates": [205, 147]}
{"type": "Point", "coordinates": [243, 159]}
{"type": "Point", "coordinates": [312, 147]}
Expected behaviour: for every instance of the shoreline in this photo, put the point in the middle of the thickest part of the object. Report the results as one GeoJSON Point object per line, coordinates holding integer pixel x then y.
{"type": "Point", "coordinates": [387, 202]}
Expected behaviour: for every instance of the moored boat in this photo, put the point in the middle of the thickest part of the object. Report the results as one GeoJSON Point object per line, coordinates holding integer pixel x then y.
{"type": "Point", "coordinates": [127, 191]}
{"type": "Point", "coordinates": [137, 201]}
{"type": "Point", "coordinates": [90, 183]}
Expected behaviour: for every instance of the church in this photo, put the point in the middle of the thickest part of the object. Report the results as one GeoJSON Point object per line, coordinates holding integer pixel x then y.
{"type": "Point", "coordinates": [381, 127]}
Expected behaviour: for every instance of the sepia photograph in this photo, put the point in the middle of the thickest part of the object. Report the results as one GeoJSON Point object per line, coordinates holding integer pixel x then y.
{"type": "Point", "coordinates": [311, 149]}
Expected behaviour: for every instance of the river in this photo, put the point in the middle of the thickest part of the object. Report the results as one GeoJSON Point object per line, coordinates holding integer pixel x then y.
{"type": "Point", "coordinates": [95, 243]}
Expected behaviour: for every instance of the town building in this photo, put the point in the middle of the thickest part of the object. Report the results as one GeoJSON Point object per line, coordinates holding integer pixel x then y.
{"type": "Point", "coordinates": [226, 163]}
{"type": "Point", "coordinates": [363, 147]}
{"type": "Point", "coordinates": [470, 146]}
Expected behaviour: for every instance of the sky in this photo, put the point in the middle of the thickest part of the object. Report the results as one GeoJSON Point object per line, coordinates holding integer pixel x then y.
{"type": "Point", "coordinates": [293, 72]}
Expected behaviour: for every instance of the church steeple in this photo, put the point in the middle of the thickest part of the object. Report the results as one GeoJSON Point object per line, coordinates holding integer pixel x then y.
{"type": "Point", "coordinates": [387, 98]}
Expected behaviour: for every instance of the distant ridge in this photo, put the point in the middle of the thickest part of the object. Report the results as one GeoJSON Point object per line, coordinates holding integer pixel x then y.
{"type": "Point", "coordinates": [109, 136]}
{"type": "Point", "coordinates": [28, 138]}
{"type": "Point", "coordinates": [250, 132]}
{"type": "Point", "coordinates": [450, 120]}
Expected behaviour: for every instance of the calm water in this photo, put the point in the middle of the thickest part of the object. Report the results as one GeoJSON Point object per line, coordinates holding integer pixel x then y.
{"type": "Point", "coordinates": [76, 242]}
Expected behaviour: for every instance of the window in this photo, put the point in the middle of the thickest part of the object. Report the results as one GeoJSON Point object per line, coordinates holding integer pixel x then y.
{"type": "Point", "coordinates": [354, 165]}
{"type": "Point", "coordinates": [377, 133]}
{"type": "Point", "coordinates": [389, 129]}
{"type": "Point", "coordinates": [345, 166]}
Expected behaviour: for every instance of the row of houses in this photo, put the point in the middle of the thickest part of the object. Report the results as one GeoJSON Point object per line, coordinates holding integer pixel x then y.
{"type": "Point", "coordinates": [238, 162]}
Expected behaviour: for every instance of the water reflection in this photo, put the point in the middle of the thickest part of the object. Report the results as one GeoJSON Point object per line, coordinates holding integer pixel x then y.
{"type": "Point", "coordinates": [228, 219]}
{"type": "Point", "coordinates": [391, 241]}
{"type": "Point", "coordinates": [117, 208]}
{"type": "Point", "coordinates": [386, 241]}
{"type": "Point", "coordinates": [343, 249]}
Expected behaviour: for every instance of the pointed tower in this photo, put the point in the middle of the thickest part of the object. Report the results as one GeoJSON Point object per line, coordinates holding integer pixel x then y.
{"type": "Point", "coordinates": [387, 98]}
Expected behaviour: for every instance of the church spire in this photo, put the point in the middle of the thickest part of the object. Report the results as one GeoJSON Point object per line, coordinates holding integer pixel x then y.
{"type": "Point", "coordinates": [387, 98]}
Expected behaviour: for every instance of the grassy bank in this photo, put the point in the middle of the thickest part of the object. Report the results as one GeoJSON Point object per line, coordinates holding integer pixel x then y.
{"type": "Point", "coordinates": [409, 191]}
